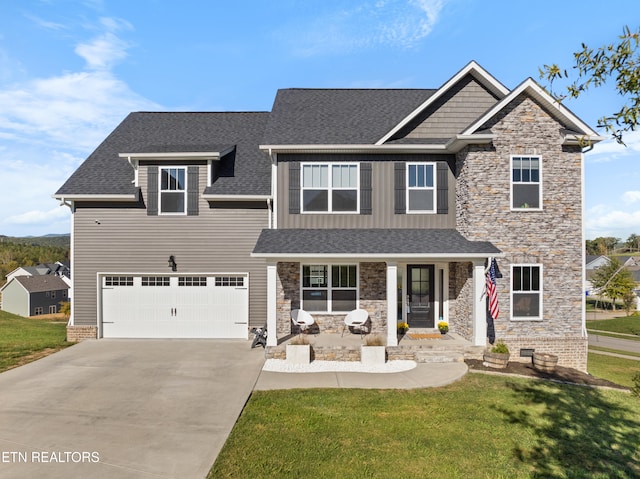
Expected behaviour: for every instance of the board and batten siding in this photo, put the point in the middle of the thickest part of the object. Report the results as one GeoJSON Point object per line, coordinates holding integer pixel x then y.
{"type": "Point", "coordinates": [121, 238]}
{"type": "Point", "coordinates": [382, 213]}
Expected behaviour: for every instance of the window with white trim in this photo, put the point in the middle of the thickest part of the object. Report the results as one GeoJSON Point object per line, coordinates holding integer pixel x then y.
{"type": "Point", "coordinates": [192, 281]}
{"type": "Point", "coordinates": [421, 188]}
{"type": "Point", "coordinates": [155, 281]}
{"type": "Point", "coordinates": [526, 291]}
{"type": "Point", "coordinates": [526, 182]}
{"type": "Point", "coordinates": [330, 187]}
{"type": "Point", "coordinates": [38, 311]}
{"type": "Point", "coordinates": [329, 288]}
{"type": "Point", "coordinates": [53, 309]}
{"type": "Point", "coordinates": [118, 280]}
{"type": "Point", "coordinates": [173, 191]}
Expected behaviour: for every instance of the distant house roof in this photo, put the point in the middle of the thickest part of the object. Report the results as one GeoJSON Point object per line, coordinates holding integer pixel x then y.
{"type": "Point", "coordinates": [370, 242]}
{"type": "Point", "coordinates": [244, 171]}
{"type": "Point", "coordinates": [38, 284]}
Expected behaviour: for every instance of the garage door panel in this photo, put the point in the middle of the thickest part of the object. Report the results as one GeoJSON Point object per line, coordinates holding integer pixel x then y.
{"type": "Point", "coordinates": [182, 307]}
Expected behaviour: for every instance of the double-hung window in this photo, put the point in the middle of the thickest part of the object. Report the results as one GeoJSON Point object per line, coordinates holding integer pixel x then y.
{"type": "Point", "coordinates": [421, 188]}
{"type": "Point", "coordinates": [329, 288]}
{"type": "Point", "coordinates": [330, 187]}
{"type": "Point", "coordinates": [173, 191]}
{"type": "Point", "coordinates": [526, 292]}
{"type": "Point", "coordinates": [526, 188]}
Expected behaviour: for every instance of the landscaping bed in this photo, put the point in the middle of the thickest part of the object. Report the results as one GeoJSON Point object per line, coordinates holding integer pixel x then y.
{"type": "Point", "coordinates": [561, 374]}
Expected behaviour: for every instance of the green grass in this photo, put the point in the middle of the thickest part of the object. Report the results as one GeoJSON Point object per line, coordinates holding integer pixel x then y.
{"type": "Point", "coordinates": [624, 324]}
{"type": "Point", "coordinates": [23, 340]}
{"type": "Point", "coordinates": [480, 427]}
{"type": "Point", "coordinates": [618, 370]}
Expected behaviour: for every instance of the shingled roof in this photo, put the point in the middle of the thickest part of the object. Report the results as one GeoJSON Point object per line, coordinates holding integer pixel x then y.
{"type": "Point", "coordinates": [374, 242]}
{"type": "Point", "coordinates": [339, 117]}
{"type": "Point", "coordinates": [244, 171]}
{"type": "Point", "coordinates": [39, 284]}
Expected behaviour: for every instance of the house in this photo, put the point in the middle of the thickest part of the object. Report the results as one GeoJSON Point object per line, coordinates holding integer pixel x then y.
{"type": "Point", "coordinates": [62, 270]}
{"type": "Point", "coordinates": [390, 200]}
{"type": "Point", "coordinates": [34, 295]}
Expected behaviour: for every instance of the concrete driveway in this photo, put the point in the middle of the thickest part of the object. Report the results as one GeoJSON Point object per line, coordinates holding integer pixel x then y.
{"type": "Point", "coordinates": [124, 408]}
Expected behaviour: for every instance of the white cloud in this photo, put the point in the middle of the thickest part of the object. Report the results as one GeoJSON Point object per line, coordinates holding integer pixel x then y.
{"type": "Point", "coordinates": [631, 196]}
{"type": "Point", "coordinates": [610, 150]}
{"type": "Point", "coordinates": [107, 49]}
{"type": "Point", "coordinates": [395, 23]}
{"type": "Point", "coordinates": [601, 220]}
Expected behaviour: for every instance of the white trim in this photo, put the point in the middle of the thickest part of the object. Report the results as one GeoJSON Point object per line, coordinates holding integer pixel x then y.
{"type": "Point", "coordinates": [274, 189]}
{"type": "Point", "coordinates": [540, 292]}
{"type": "Point", "coordinates": [184, 191]}
{"type": "Point", "coordinates": [433, 189]}
{"type": "Point", "coordinates": [539, 183]}
{"type": "Point", "coordinates": [132, 197]}
{"type": "Point", "coordinates": [355, 148]}
{"type": "Point", "coordinates": [532, 88]}
{"type": "Point", "coordinates": [214, 197]}
{"type": "Point", "coordinates": [396, 256]}
{"type": "Point", "coordinates": [330, 188]}
{"type": "Point", "coordinates": [177, 155]}
{"type": "Point", "coordinates": [272, 304]}
{"type": "Point", "coordinates": [329, 288]}
{"type": "Point", "coordinates": [472, 68]}
{"type": "Point", "coordinates": [583, 271]}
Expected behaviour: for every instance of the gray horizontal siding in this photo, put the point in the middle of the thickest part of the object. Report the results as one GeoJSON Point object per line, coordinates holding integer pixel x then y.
{"type": "Point", "coordinates": [116, 239]}
{"type": "Point", "coordinates": [382, 199]}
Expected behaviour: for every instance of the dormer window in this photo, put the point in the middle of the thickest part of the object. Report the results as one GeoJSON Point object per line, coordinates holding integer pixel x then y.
{"type": "Point", "coordinates": [173, 191]}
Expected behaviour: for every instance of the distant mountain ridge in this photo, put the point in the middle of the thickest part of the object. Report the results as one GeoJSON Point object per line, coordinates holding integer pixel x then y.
{"type": "Point", "coordinates": [63, 240]}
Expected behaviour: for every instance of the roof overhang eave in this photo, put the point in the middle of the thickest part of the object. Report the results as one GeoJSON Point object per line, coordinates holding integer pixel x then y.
{"type": "Point", "coordinates": [343, 148]}
{"type": "Point", "coordinates": [213, 197]}
{"type": "Point", "coordinates": [380, 256]}
{"type": "Point", "coordinates": [460, 141]}
{"type": "Point", "coordinates": [80, 197]}
{"type": "Point", "coordinates": [177, 155]}
{"type": "Point", "coordinates": [582, 140]}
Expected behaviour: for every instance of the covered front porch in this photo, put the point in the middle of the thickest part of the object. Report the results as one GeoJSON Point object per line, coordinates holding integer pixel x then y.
{"type": "Point", "coordinates": [419, 277]}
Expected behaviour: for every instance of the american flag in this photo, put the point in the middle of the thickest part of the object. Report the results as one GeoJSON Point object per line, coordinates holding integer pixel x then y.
{"type": "Point", "coordinates": [492, 292]}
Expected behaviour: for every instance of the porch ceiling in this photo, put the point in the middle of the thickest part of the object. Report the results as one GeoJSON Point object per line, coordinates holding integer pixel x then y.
{"type": "Point", "coordinates": [370, 243]}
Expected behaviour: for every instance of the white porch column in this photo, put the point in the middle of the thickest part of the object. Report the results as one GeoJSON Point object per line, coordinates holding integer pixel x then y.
{"type": "Point", "coordinates": [479, 305]}
{"type": "Point", "coordinates": [272, 313]}
{"type": "Point", "coordinates": [392, 306]}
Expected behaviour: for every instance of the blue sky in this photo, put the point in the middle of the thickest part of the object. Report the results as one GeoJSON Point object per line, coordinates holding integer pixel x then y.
{"type": "Point", "coordinates": [71, 70]}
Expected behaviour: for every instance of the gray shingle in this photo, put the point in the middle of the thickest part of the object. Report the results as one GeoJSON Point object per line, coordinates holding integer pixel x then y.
{"type": "Point", "coordinates": [369, 241]}
{"type": "Point", "coordinates": [38, 284]}
{"type": "Point", "coordinates": [334, 116]}
{"type": "Point", "coordinates": [246, 171]}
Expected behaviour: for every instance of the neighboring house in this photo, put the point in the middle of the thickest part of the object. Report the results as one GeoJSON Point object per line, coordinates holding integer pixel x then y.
{"type": "Point", "coordinates": [34, 295]}
{"type": "Point", "coordinates": [62, 270]}
{"type": "Point", "coordinates": [592, 263]}
{"type": "Point", "coordinates": [390, 200]}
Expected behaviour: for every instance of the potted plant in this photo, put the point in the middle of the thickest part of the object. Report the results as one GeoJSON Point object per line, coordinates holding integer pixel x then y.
{"type": "Point", "coordinates": [545, 362]}
{"type": "Point", "coordinates": [373, 351]}
{"type": "Point", "coordinates": [299, 350]}
{"type": "Point", "coordinates": [443, 326]}
{"type": "Point", "coordinates": [498, 356]}
{"type": "Point", "coordinates": [402, 328]}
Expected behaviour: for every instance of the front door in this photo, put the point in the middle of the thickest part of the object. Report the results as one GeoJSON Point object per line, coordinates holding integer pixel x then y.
{"type": "Point", "coordinates": [420, 295]}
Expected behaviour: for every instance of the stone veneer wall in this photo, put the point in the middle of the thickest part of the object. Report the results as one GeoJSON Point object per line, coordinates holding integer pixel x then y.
{"type": "Point", "coordinates": [373, 291]}
{"type": "Point", "coordinates": [551, 237]}
{"type": "Point", "coordinates": [80, 333]}
{"type": "Point", "coordinates": [461, 299]}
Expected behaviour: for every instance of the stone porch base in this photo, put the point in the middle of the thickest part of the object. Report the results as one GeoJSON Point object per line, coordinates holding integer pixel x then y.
{"type": "Point", "coordinates": [80, 333]}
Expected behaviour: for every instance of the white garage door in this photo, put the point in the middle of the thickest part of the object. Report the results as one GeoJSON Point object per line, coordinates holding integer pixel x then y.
{"type": "Point", "coordinates": [146, 306]}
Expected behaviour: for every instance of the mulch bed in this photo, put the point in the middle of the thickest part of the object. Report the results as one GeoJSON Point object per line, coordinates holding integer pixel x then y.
{"type": "Point", "coordinates": [561, 374]}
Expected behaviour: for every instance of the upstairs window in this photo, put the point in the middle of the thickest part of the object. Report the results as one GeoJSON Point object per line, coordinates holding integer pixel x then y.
{"type": "Point", "coordinates": [173, 191]}
{"type": "Point", "coordinates": [526, 183]}
{"type": "Point", "coordinates": [330, 188]}
{"type": "Point", "coordinates": [421, 188]}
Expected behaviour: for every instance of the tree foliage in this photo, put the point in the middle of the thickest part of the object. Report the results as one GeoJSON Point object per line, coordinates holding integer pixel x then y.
{"type": "Point", "coordinates": [14, 255]}
{"type": "Point", "coordinates": [601, 245]}
{"type": "Point", "coordinates": [613, 281]}
{"type": "Point", "coordinates": [619, 61]}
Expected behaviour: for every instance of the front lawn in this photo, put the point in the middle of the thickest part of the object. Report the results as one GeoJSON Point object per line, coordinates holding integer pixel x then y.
{"type": "Point", "coordinates": [482, 426]}
{"type": "Point", "coordinates": [618, 370]}
{"type": "Point", "coordinates": [23, 340]}
{"type": "Point", "coordinates": [623, 324]}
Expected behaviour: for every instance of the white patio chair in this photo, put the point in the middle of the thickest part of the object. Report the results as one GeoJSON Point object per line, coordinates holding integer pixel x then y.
{"type": "Point", "coordinates": [356, 319]}
{"type": "Point", "coordinates": [301, 319]}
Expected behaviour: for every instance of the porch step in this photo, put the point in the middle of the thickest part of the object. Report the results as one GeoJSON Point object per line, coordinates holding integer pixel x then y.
{"type": "Point", "coordinates": [439, 357]}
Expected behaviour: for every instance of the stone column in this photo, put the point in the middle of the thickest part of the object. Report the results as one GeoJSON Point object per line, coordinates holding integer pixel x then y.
{"type": "Point", "coordinates": [392, 308]}
{"type": "Point", "coordinates": [272, 330]}
{"type": "Point", "coordinates": [479, 305]}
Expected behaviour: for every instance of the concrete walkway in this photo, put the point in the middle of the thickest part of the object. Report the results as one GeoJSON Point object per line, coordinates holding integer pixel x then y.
{"type": "Point", "coordinates": [424, 375]}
